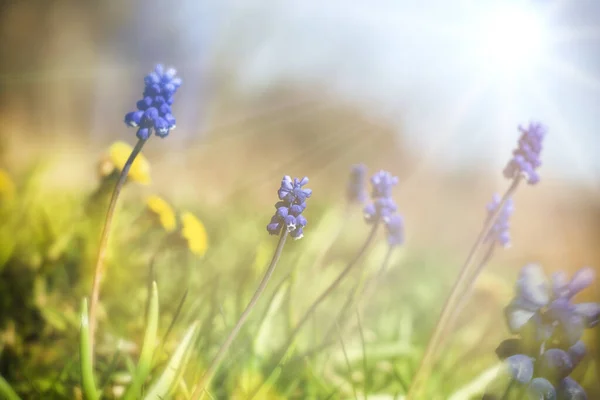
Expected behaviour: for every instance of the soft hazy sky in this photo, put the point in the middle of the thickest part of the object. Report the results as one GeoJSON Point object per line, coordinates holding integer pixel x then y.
{"type": "Point", "coordinates": [430, 65]}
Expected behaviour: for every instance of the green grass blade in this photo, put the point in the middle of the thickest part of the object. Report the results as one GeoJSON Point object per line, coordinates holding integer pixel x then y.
{"type": "Point", "coordinates": [145, 361]}
{"type": "Point", "coordinates": [7, 392]}
{"type": "Point", "coordinates": [85, 355]}
{"type": "Point", "coordinates": [168, 380]}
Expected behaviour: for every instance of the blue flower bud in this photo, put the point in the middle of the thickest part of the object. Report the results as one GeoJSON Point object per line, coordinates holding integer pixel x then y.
{"type": "Point", "coordinates": [555, 364]}
{"type": "Point", "coordinates": [520, 368]}
{"type": "Point", "coordinates": [541, 389]}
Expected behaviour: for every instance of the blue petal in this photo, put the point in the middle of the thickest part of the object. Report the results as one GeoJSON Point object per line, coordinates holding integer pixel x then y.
{"type": "Point", "coordinates": [290, 223]}
{"type": "Point", "coordinates": [520, 368]}
{"type": "Point", "coordinates": [134, 118]}
{"type": "Point", "coordinates": [541, 389]}
{"type": "Point", "coordinates": [150, 114]}
{"type": "Point", "coordinates": [570, 390]}
{"type": "Point", "coordinates": [533, 286]}
{"type": "Point", "coordinates": [577, 353]}
{"type": "Point", "coordinates": [161, 127]}
{"type": "Point", "coordinates": [570, 324]}
{"type": "Point", "coordinates": [560, 284]}
{"type": "Point", "coordinates": [590, 313]}
{"type": "Point", "coordinates": [274, 228]}
{"type": "Point", "coordinates": [144, 103]}
{"type": "Point", "coordinates": [282, 212]}
{"type": "Point", "coordinates": [286, 183]}
{"type": "Point", "coordinates": [143, 133]}
{"type": "Point", "coordinates": [296, 210]}
{"type": "Point", "coordinates": [170, 120]}
{"type": "Point", "coordinates": [301, 221]}
{"type": "Point", "coordinates": [297, 233]}
{"type": "Point", "coordinates": [555, 364]}
{"type": "Point", "coordinates": [517, 316]}
{"type": "Point", "coordinates": [581, 280]}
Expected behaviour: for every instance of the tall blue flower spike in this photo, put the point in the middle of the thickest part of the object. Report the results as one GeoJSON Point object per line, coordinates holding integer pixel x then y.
{"type": "Point", "coordinates": [395, 230]}
{"type": "Point", "coordinates": [549, 328]}
{"type": "Point", "coordinates": [500, 232]}
{"type": "Point", "coordinates": [154, 114]}
{"type": "Point", "coordinates": [526, 157]}
{"type": "Point", "coordinates": [382, 206]}
{"type": "Point", "coordinates": [288, 214]}
{"type": "Point", "coordinates": [356, 191]}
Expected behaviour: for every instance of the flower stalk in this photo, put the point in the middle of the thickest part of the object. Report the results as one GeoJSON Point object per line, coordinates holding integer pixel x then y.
{"type": "Point", "coordinates": [214, 365]}
{"type": "Point", "coordinates": [99, 268]}
{"type": "Point", "coordinates": [455, 297]}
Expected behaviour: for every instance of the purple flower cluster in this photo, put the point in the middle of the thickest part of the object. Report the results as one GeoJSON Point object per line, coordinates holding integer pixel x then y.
{"type": "Point", "coordinates": [154, 110]}
{"type": "Point", "coordinates": [549, 328]}
{"type": "Point", "coordinates": [292, 203]}
{"type": "Point", "coordinates": [500, 232]}
{"type": "Point", "coordinates": [383, 207]}
{"type": "Point", "coordinates": [356, 192]}
{"type": "Point", "coordinates": [526, 158]}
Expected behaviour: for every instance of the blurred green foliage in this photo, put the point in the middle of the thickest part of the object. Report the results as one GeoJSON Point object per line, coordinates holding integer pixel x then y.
{"type": "Point", "coordinates": [48, 243]}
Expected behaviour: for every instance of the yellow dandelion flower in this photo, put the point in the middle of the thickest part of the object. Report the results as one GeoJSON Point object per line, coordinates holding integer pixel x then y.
{"type": "Point", "coordinates": [248, 382]}
{"type": "Point", "coordinates": [140, 169]}
{"type": "Point", "coordinates": [194, 233]}
{"type": "Point", "coordinates": [164, 211]}
{"type": "Point", "coordinates": [7, 186]}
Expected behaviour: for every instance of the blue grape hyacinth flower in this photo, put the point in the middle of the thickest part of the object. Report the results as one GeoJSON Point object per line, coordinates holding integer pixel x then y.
{"type": "Point", "coordinates": [545, 308]}
{"type": "Point", "coordinates": [549, 327]}
{"type": "Point", "coordinates": [356, 191]}
{"type": "Point", "coordinates": [526, 157]}
{"type": "Point", "coordinates": [154, 114]}
{"type": "Point", "coordinates": [500, 232]}
{"type": "Point", "coordinates": [546, 376]}
{"type": "Point", "coordinates": [395, 230]}
{"type": "Point", "coordinates": [288, 214]}
{"type": "Point", "coordinates": [382, 206]}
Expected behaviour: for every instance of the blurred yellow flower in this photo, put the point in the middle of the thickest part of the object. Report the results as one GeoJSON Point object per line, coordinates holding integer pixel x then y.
{"type": "Point", "coordinates": [194, 233]}
{"type": "Point", "coordinates": [164, 211]}
{"type": "Point", "coordinates": [140, 169]}
{"type": "Point", "coordinates": [7, 186]}
{"type": "Point", "coordinates": [248, 382]}
{"type": "Point", "coordinates": [494, 287]}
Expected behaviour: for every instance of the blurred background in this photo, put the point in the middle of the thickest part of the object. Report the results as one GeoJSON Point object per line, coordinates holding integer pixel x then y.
{"type": "Point", "coordinates": [432, 91]}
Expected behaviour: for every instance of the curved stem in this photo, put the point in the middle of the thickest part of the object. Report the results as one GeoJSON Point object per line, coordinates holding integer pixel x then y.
{"type": "Point", "coordinates": [454, 298]}
{"type": "Point", "coordinates": [331, 287]}
{"type": "Point", "coordinates": [214, 365]}
{"type": "Point", "coordinates": [352, 299]}
{"type": "Point", "coordinates": [99, 269]}
{"type": "Point", "coordinates": [469, 284]}
{"type": "Point", "coordinates": [281, 352]}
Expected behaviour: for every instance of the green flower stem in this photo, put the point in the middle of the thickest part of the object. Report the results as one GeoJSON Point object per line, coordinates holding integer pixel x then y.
{"type": "Point", "coordinates": [214, 365]}
{"type": "Point", "coordinates": [331, 287]}
{"type": "Point", "coordinates": [280, 354]}
{"type": "Point", "coordinates": [99, 269]}
{"type": "Point", "coordinates": [352, 299]}
{"type": "Point", "coordinates": [471, 282]}
{"type": "Point", "coordinates": [454, 298]}
{"type": "Point", "coordinates": [88, 384]}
